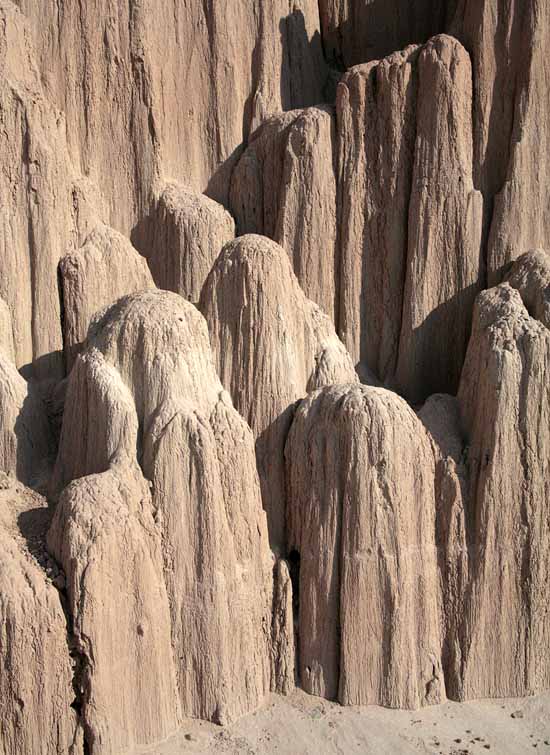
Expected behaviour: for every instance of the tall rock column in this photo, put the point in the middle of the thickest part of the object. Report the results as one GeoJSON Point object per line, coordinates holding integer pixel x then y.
{"type": "Point", "coordinates": [504, 398]}
{"type": "Point", "coordinates": [272, 345]}
{"type": "Point", "coordinates": [361, 519]}
{"type": "Point", "coordinates": [412, 221]}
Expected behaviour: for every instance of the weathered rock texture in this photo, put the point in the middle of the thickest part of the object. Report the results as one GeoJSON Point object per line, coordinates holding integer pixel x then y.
{"type": "Point", "coordinates": [411, 220]}
{"type": "Point", "coordinates": [441, 416]}
{"type": "Point", "coordinates": [174, 115]}
{"type": "Point", "coordinates": [357, 32]}
{"type": "Point", "coordinates": [7, 347]}
{"type": "Point", "coordinates": [105, 268]}
{"type": "Point", "coordinates": [145, 390]}
{"type": "Point", "coordinates": [272, 345]}
{"type": "Point", "coordinates": [24, 432]}
{"type": "Point", "coordinates": [36, 676]}
{"type": "Point", "coordinates": [284, 187]}
{"type": "Point", "coordinates": [505, 403]}
{"type": "Point", "coordinates": [412, 550]}
{"type": "Point", "coordinates": [186, 232]}
{"type": "Point", "coordinates": [104, 536]}
{"type": "Point", "coordinates": [362, 519]}
{"type": "Point", "coordinates": [35, 216]}
{"type": "Point", "coordinates": [508, 44]}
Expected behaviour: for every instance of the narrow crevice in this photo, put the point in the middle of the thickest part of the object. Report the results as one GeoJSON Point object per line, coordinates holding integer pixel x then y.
{"type": "Point", "coordinates": [293, 561]}
{"type": "Point", "coordinates": [79, 663]}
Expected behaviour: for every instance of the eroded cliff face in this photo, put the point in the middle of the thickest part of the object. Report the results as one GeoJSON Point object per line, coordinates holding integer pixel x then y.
{"type": "Point", "coordinates": [274, 311]}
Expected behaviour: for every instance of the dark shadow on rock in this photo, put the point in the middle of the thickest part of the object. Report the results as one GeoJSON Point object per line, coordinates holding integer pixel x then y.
{"type": "Point", "coordinates": [304, 71]}
{"type": "Point", "coordinates": [33, 525]}
{"type": "Point", "coordinates": [374, 30]}
{"type": "Point", "coordinates": [270, 461]}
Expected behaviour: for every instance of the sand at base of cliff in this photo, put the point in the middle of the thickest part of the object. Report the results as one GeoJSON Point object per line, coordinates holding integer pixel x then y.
{"type": "Point", "coordinates": [301, 724]}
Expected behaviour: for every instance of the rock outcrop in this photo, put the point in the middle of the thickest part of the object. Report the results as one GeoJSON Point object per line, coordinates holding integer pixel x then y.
{"type": "Point", "coordinates": [45, 208]}
{"type": "Point", "coordinates": [272, 345]}
{"type": "Point", "coordinates": [186, 232]}
{"type": "Point", "coordinates": [284, 187]}
{"type": "Point", "coordinates": [362, 519]}
{"type": "Point", "coordinates": [174, 115]}
{"type": "Point", "coordinates": [105, 268]}
{"type": "Point", "coordinates": [356, 33]}
{"type": "Point", "coordinates": [145, 390]}
{"type": "Point", "coordinates": [412, 221]}
{"type": "Point", "coordinates": [25, 443]}
{"type": "Point", "coordinates": [104, 536]}
{"type": "Point", "coordinates": [530, 275]}
{"type": "Point", "coordinates": [504, 404]}
{"type": "Point", "coordinates": [36, 679]}
{"type": "Point", "coordinates": [511, 73]}
{"type": "Point", "coordinates": [7, 346]}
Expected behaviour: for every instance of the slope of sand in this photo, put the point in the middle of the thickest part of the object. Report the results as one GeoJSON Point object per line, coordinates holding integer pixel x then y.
{"type": "Point", "coordinates": [301, 724]}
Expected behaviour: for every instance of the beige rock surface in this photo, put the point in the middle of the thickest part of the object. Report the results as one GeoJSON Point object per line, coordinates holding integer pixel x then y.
{"type": "Point", "coordinates": [284, 187]}
{"type": "Point", "coordinates": [512, 131]}
{"type": "Point", "coordinates": [356, 33]}
{"type": "Point", "coordinates": [441, 417]}
{"type": "Point", "coordinates": [104, 536]}
{"type": "Point", "coordinates": [25, 446]}
{"type": "Point", "coordinates": [146, 389]}
{"type": "Point", "coordinates": [504, 404]}
{"type": "Point", "coordinates": [187, 231]}
{"type": "Point", "coordinates": [102, 270]}
{"type": "Point", "coordinates": [174, 116]}
{"type": "Point", "coordinates": [46, 207]}
{"type": "Point", "coordinates": [36, 673]}
{"type": "Point", "coordinates": [412, 221]}
{"type": "Point", "coordinates": [7, 347]}
{"type": "Point", "coordinates": [272, 345]}
{"type": "Point", "coordinates": [362, 519]}
{"type": "Point", "coordinates": [530, 275]}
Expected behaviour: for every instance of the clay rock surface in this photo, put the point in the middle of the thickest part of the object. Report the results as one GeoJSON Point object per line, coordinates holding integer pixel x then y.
{"type": "Point", "coordinates": [284, 187]}
{"type": "Point", "coordinates": [174, 115]}
{"type": "Point", "coordinates": [187, 231]}
{"type": "Point", "coordinates": [25, 443]}
{"type": "Point", "coordinates": [361, 518]}
{"type": "Point", "coordinates": [272, 345]}
{"type": "Point", "coordinates": [36, 674]}
{"type": "Point", "coordinates": [145, 389]}
{"type": "Point", "coordinates": [442, 418]}
{"type": "Point", "coordinates": [7, 347]}
{"type": "Point", "coordinates": [44, 208]}
{"type": "Point", "coordinates": [102, 270]}
{"type": "Point", "coordinates": [511, 127]}
{"type": "Point", "coordinates": [355, 32]}
{"type": "Point", "coordinates": [504, 404]}
{"type": "Point", "coordinates": [104, 536]}
{"type": "Point", "coordinates": [530, 275]}
{"type": "Point", "coordinates": [412, 221]}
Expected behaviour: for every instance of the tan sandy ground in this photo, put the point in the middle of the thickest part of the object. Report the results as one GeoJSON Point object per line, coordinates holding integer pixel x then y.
{"type": "Point", "coordinates": [301, 724]}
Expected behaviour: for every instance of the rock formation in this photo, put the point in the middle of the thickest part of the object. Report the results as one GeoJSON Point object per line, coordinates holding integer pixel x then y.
{"type": "Point", "coordinates": [272, 345]}
{"type": "Point", "coordinates": [511, 128]}
{"type": "Point", "coordinates": [175, 115]}
{"type": "Point", "coordinates": [145, 391]}
{"type": "Point", "coordinates": [104, 536]}
{"type": "Point", "coordinates": [362, 519]}
{"type": "Point", "coordinates": [411, 237]}
{"type": "Point", "coordinates": [284, 187]}
{"type": "Point", "coordinates": [24, 432]}
{"type": "Point", "coordinates": [504, 403]}
{"type": "Point", "coordinates": [36, 690]}
{"type": "Point", "coordinates": [356, 33]}
{"type": "Point", "coordinates": [186, 232]}
{"type": "Point", "coordinates": [235, 504]}
{"type": "Point", "coordinates": [105, 268]}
